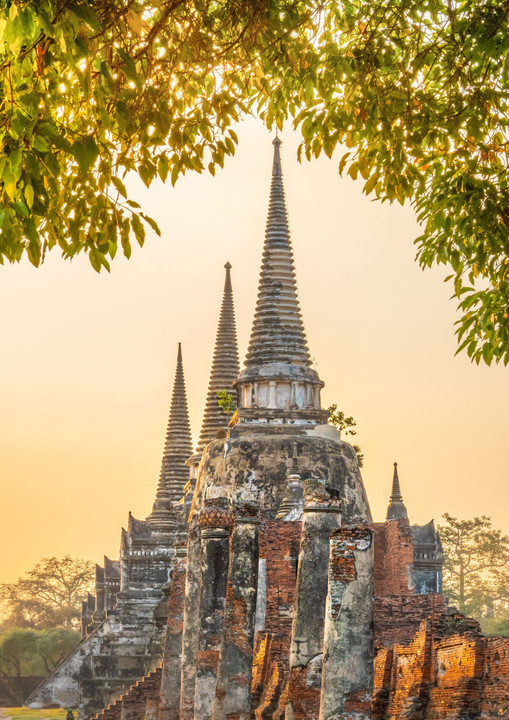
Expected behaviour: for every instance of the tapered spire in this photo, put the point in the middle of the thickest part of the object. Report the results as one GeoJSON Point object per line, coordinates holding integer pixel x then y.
{"type": "Point", "coordinates": [177, 448]}
{"type": "Point", "coordinates": [225, 367]}
{"type": "Point", "coordinates": [278, 331]}
{"type": "Point", "coordinates": [396, 507]}
{"type": "Point", "coordinates": [278, 384]}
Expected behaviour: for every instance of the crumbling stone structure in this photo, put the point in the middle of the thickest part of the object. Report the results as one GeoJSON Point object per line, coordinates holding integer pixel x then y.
{"type": "Point", "coordinates": [280, 596]}
{"type": "Point", "coordinates": [124, 624]}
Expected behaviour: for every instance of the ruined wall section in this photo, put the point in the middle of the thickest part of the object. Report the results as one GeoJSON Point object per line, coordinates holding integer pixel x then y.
{"type": "Point", "coordinates": [279, 553]}
{"type": "Point", "coordinates": [398, 618]}
{"type": "Point", "coordinates": [447, 670]}
{"type": "Point", "coordinates": [495, 697]}
{"type": "Point", "coordinates": [394, 557]}
{"type": "Point", "coordinates": [398, 610]}
{"type": "Point", "coordinates": [169, 699]}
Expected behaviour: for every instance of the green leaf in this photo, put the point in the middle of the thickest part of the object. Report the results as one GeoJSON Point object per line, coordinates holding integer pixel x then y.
{"type": "Point", "coordinates": [84, 12]}
{"type": "Point", "coordinates": [21, 208]}
{"type": "Point", "coordinates": [119, 186]}
{"type": "Point", "coordinates": [85, 152]}
{"type": "Point", "coordinates": [162, 167]}
{"type": "Point", "coordinates": [150, 221]}
{"type": "Point", "coordinates": [129, 67]}
{"type": "Point", "coordinates": [370, 184]}
{"type": "Point", "coordinates": [29, 195]}
{"type": "Point", "coordinates": [138, 228]}
{"type": "Point", "coordinates": [40, 144]}
{"type": "Point", "coordinates": [122, 115]}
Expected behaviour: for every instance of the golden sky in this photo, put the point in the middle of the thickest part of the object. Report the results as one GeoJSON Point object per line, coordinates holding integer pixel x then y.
{"type": "Point", "coordinates": [87, 361]}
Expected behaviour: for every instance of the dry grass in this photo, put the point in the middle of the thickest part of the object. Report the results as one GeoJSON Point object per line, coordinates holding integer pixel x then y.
{"type": "Point", "coordinates": [23, 713]}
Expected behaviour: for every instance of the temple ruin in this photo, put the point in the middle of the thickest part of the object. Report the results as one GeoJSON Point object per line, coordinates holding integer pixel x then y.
{"type": "Point", "coordinates": [259, 586]}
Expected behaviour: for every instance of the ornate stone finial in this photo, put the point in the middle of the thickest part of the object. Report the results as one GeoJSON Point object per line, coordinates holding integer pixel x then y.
{"type": "Point", "coordinates": [293, 499]}
{"type": "Point", "coordinates": [278, 376]}
{"type": "Point", "coordinates": [396, 507]}
{"type": "Point", "coordinates": [177, 448]}
{"type": "Point", "coordinates": [295, 460]}
{"type": "Point", "coordinates": [224, 371]}
{"type": "Point", "coordinates": [216, 513]}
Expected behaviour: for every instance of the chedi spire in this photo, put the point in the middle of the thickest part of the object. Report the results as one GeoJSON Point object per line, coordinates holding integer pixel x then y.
{"type": "Point", "coordinates": [225, 367]}
{"type": "Point", "coordinates": [396, 509]}
{"type": "Point", "coordinates": [278, 377]}
{"type": "Point", "coordinates": [177, 448]}
{"type": "Point", "coordinates": [278, 331]}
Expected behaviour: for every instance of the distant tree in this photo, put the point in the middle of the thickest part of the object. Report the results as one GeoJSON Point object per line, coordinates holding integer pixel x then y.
{"type": "Point", "coordinates": [17, 648]}
{"type": "Point", "coordinates": [49, 595]}
{"type": "Point", "coordinates": [52, 646]}
{"type": "Point", "coordinates": [226, 401]}
{"type": "Point", "coordinates": [498, 625]}
{"type": "Point", "coordinates": [32, 652]}
{"type": "Point", "coordinates": [346, 425]}
{"type": "Point", "coordinates": [476, 566]}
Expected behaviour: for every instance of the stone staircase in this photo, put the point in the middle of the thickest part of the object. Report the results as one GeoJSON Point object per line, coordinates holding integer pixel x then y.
{"type": "Point", "coordinates": [141, 700]}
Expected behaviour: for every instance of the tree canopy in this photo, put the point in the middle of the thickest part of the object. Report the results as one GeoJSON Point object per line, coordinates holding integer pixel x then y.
{"type": "Point", "coordinates": [25, 652]}
{"type": "Point", "coordinates": [49, 595]}
{"type": "Point", "coordinates": [476, 567]}
{"type": "Point", "coordinates": [34, 652]}
{"type": "Point", "coordinates": [417, 91]}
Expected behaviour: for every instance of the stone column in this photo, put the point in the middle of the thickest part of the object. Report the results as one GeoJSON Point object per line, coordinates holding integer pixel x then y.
{"type": "Point", "coordinates": [215, 520]}
{"type": "Point", "coordinates": [233, 692]}
{"type": "Point", "coordinates": [190, 635]}
{"type": "Point", "coordinates": [347, 677]}
{"type": "Point", "coordinates": [99, 613]}
{"type": "Point", "coordinates": [322, 515]}
{"type": "Point", "coordinates": [171, 671]}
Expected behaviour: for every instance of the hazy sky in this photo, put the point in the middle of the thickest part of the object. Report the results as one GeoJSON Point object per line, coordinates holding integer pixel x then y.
{"type": "Point", "coordinates": [87, 361]}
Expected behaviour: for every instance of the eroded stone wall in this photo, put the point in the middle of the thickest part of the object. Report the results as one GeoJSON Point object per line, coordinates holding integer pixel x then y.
{"type": "Point", "coordinates": [447, 670]}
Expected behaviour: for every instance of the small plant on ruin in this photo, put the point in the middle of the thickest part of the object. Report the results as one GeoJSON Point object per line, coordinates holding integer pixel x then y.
{"type": "Point", "coordinates": [346, 425]}
{"type": "Point", "coordinates": [339, 420]}
{"type": "Point", "coordinates": [226, 401]}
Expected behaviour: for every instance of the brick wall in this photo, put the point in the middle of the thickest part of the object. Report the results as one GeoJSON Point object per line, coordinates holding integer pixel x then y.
{"type": "Point", "coordinates": [394, 557]}
{"type": "Point", "coordinates": [447, 670]}
{"type": "Point", "coordinates": [495, 699]}
{"type": "Point", "coordinates": [397, 619]}
{"type": "Point", "coordinates": [279, 546]}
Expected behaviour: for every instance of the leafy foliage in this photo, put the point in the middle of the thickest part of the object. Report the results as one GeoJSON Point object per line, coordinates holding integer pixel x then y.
{"type": "Point", "coordinates": [417, 91]}
{"type": "Point", "coordinates": [476, 566]}
{"type": "Point", "coordinates": [34, 652]}
{"type": "Point", "coordinates": [497, 624]}
{"type": "Point", "coordinates": [339, 420]}
{"type": "Point", "coordinates": [49, 595]}
{"type": "Point", "coordinates": [345, 425]}
{"type": "Point", "coordinates": [226, 401]}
